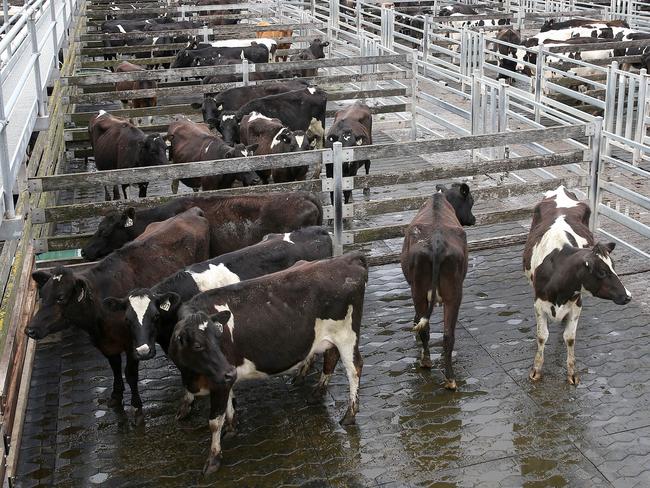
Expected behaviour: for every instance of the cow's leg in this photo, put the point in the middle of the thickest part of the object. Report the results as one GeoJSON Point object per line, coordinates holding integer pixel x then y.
{"type": "Point", "coordinates": [570, 339]}
{"type": "Point", "coordinates": [542, 337]}
{"type": "Point", "coordinates": [118, 383]}
{"type": "Point", "coordinates": [175, 186]}
{"type": "Point", "coordinates": [124, 187]}
{"type": "Point", "coordinates": [420, 291]}
{"type": "Point", "coordinates": [353, 363]}
{"type": "Point", "coordinates": [449, 337]}
{"type": "Point", "coordinates": [186, 405]}
{"type": "Point", "coordinates": [142, 189]}
{"type": "Point", "coordinates": [231, 415]}
{"type": "Point", "coordinates": [304, 369]}
{"type": "Point", "coordinates": [218, 407]}
{"type": "Point", "coordinates": [131, 373]}
{"type": "Point", "coordinates": [116, 192]}
{"type": "Point", "coordinates": [107, 195]}
{"type": "Point", "coordinates": [330, 358]}
{"type": "Point", "coordinates": [366, 187]}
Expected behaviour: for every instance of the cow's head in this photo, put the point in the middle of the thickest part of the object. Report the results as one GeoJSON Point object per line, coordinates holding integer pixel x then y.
{"type": "Point", "coordinates": [598, 276]}
{"type": "Point", "coordinates": [317, 48]}
{"type": "Point", "coordinates": [196, 345]}
{"type": "Point", "coordinates": [305, 140]}
{"type": "Point", "coordinates": [153, 151]}
{"type": "Point", "coordinates": [183, 59]}
{"type": "Point", "coordinates": [228, 126]}
{"type": "Point", "coordinates": [210, 110]}
{"type": "Point", "coordinates": [65, 300]}
{"type": "Point", "coordinates": [146, 313]}
{"type": "Point", "coordinates": [115, 230]}
{"type": "Point", "coordinates": [462, 200]}
{"type": "Point", "coordinates": [248, 178]}
{"type": "Point", "coordinates": [548, 25]}
{"type": "Point", "coordinates": [346, 137]}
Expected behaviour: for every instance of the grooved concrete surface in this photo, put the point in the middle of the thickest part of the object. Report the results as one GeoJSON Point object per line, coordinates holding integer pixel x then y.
{"type": "Point", "coordinates": [497, 430]}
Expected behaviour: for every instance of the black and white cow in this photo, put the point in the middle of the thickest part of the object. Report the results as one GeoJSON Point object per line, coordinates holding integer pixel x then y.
{"type": "Point", "coordinates": [257, 328]}
{"type": "Point", "coordinates": [458, 9]}
{"type": "Point", "coordinates": [207, 56]}
{"type": "Point", "coordinates": [298, 109]}
{"type": "Point", "coordinates": [562, 261]}
{"type": "Point", "coordinates": [316, 50]}
{"type": "Point", "coordinates": [153, 312]}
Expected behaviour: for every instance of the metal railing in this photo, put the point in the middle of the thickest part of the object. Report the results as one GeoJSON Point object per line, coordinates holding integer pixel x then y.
{"type": "Point", "coordinates": [29, 53]}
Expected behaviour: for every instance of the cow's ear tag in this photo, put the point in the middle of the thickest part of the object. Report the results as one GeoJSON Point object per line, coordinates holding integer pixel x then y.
{"type": "Point", "coordinates": [129, 222]}
{"type": "Point", "coordinates": [587, 264]}
{"type": "Point", "coordinates": [220, 107]}
{"type": "Point", "coordinates": [168, 143]}
{"type": "Point", "coordinates": [166, 305]}
{"type": "Point", "coordinates": [359, 142]}
{"type": "Point", "coordinates": [81, 295]}
{"type": "Point", "coordinates": [219, 327]}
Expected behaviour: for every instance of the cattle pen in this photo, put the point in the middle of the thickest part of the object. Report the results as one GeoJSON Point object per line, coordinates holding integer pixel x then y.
{"type": "Point", "coordinates": [442, 114]}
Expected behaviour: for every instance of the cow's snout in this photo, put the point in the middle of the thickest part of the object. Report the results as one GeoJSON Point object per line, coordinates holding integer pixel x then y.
{"type": "Point", "coordinates": [230, 376]}
{"type": "Point", "coordinates": [145, 352]}
{"type": "Point", "coordinates": [623, 299]}
{"type": "Point", "coordinates": [31, 333]}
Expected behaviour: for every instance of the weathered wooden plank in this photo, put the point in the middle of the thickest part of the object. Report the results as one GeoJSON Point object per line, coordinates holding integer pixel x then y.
{"type": "Point", "coordinates": [473, 246]}
{"type": "Point", "coordinates": [216, 88]}
{"type": "Point", "coordinates": [175, 171]}
{"type": "Point", "coordinates": [162, 74]}
{"type": "Point", "coordinates": [66, 213]}
{"type": "Point", "coordinates": [84, 117]}
{"type": "Point", "coordinates": [364, 209]}
{"type": "Point", "coordinates": [431, 146]}
{"type": "Point", "coordinates": [188, 9]}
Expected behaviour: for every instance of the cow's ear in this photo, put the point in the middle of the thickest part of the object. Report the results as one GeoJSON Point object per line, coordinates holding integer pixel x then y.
{"type": "Point", "coordinates": [41, 277]}
{"type": "Point", "coordinates": [441, 188]}
{"type": "Point", "coordinates": [332, 138]}
{"type": "Point", "coordinates": [286, 138]}
{"type": "Point", "coordinates": [168, 302]}
{"type": "Point", "coordinates": [464, 190]}
{"type": "Point", "coordinates": [196, 105]}
{"type": "Point", "coordinates": [359, 140]}
{"type": "Point", "coordinates": [115, 304]}
{"type": "Point", "coordinates": [221, 317]}
{"type": "Point", "coordinates": [610, 246]}
{"type": "Point", "coordinates": [252, 148]}
{"type": "Point", "coordinates": [230, 153]}
{"type": "Point", "coordinates": [128, 217]}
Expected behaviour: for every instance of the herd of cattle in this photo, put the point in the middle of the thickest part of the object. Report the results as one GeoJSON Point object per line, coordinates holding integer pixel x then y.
{"type": "Point", "coordinates": [242, 287]}
{"type": "Point", "coordinates": [214, 280]}
{"type": "Point", "coordinates": [516, 52]}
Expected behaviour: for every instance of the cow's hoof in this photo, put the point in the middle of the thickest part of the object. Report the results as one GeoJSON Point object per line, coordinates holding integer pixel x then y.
{"type": "Point", "coordinates": [184, 411]}
{"type": "Point", "coordinates": [535, 374]}
{"type": "Point", "coordinates": [348, 418]}
{"type": "Point", "coordinates": [451, 385]}
{"type": "Point", "coordinates": [573, 379]}
{"type": "Point", "coordinates": [426, 363]}
{"type": "Point", "coordinates": [366, 191]}
{"type": "Point", "coordinates": [212, 464]}
{"type": "Point", "coordinates": [114, 401]}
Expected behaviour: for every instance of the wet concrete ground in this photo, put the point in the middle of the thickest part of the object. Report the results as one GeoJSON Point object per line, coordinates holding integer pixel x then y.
{"type": "Point", "coordinates": [497, 430]}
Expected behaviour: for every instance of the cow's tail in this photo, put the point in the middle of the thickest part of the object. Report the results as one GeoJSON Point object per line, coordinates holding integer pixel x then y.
{"type": "Point", "coordinates": [437, 249]}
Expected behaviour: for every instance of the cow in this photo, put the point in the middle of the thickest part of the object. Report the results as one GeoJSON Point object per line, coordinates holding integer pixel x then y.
{"type": "Point", "coordinates": [153, 312]}
{"type": "Point", "coordinates": [457, 8]}
{"type": "Point", "coordinates": [126, 67]}
{"type": "Point", "coordinates": [311, 53]}
{"type": "Point", "coordinates": [118, 144]}
{"type": "Point", "coordinates": [298, 110]}
{"type": "Point", "coordinates": [189, 142]}
{"type": "Point", "coordinates": [306, 141]}
{"type": "Point", "coordinates": [275, 34]}
{"type": "Point", "coordinates": [235, 221]}
{"type": "Point", "coordinates": [235, 98]}
{"type": "Point", "coordinates": [507, 60]}
{"type": "Point", "coordinates": [642, 51]}
{"type": "Point", "coordinates": [562, 261]}
{"type": "Point", "coordinates": [75, 298]}
{"type": "Point", "coordinates": [257, 328]}
{"type": "Point", "coordinates": [270, 44]}
{"type": "Point", "coordinates": [271, 137]}
{"type": "Point", "coordinates": [207, 56]}
{"type": "Point", "coordinates": [122, 26]}
{"type": "Point", "coordinates": [352, 127]}
{"type": "Point", "coordinates": [434, 263]}
{"type": "Point", "coordinates": [553, 24]}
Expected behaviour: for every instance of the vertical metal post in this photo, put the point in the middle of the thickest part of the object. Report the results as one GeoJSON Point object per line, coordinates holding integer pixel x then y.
{"type": "Point", "coordinates": [464, 72]}
{"type": "Point", "coordinates": [55, 31]}
{"type": "Point", "coordinates": [312, 7]}
{"type": "Point", "coordinates": [414, 95]}
{"type": "Point", "coordinates": [425, 42]}
{"type": "Point", "coordinates": [475, 108]}
{"type": "Point", "coordinates": [640, 115]}
{"type": "Point", "coordinates": [334, 14]}
{"type": "Point", "coordinates": [183, 8]}
{"type": "Point", "coordinates": [337, 162]}
{"type": "Point", "coordinates": [481, 52]}
{"type": "Point", "coordinates": [594, 172]}
{"type": "Point", "coordinates": [5, 10]}
{"type": "Point", "coordinates": [539, 74]}
{"type": "Point", "coordinates": [357, 14]}
{"type": "Point", "coordinates": [245, 72]}
{"type": "Point", "coordinates": [40, 92]}
{"type": "Point", "coordinates": [502, 119]}
{"type": "Point", "coordinates": [205, 32]}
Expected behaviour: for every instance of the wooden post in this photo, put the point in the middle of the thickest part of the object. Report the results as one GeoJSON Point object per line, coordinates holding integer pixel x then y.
{"type": "Point", "coordinates": [337, 161]}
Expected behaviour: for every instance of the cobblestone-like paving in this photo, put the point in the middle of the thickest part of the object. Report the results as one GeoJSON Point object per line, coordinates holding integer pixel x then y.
{"type": "Point", "coordinates": [497, 430]}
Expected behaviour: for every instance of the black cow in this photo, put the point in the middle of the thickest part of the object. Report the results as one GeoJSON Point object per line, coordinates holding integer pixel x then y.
{"type": "Point", "coordinates": [298, 110]}
{"type": "Point", "coordinates": [235, 98]}
{"type": "Point", "coordinates": [510, 36]}
{"type": "Point", "coordinates": [118, 144]}
{"type": "Point", "coordinates": [75, 298]}
{"type": "Point", "coordinates": [257, 328]}
{"type": "Point", "coordinates": [352, 127]}
{"type": "Point", "coordinates": [235, 221]}
{"type": "Point", "coordinates": [553, 24]}
{"type": "Point", "coordinates": [457, 8]}
{"type": "Point", "coordinates": [122, 26]}
{"type": "Point", "coordinates": [272, 137]}
{"type": "Point", "coordinates": [152, 313]}
{"type": "Point", "coordinates": [562, 261]}
{"type": "Point", "coordinates": [314, 51]}
{"type": "Point", "coordinates": [206, 56]}
{"type": "Point", "coordinates": [434, 263]}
